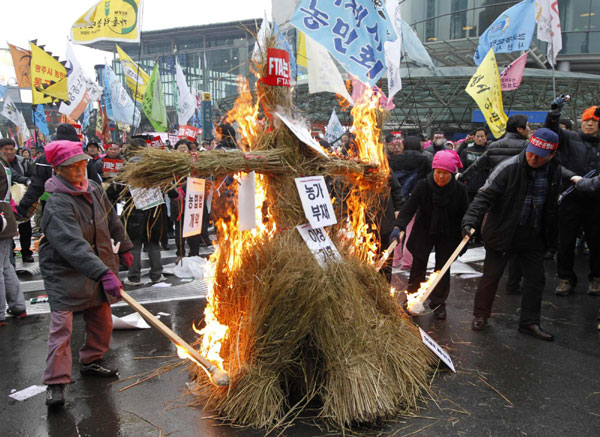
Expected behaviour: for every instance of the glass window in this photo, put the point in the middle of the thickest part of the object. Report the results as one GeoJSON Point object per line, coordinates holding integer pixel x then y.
{"type": "Point", "coordinates": [575, 15]}
{"type": "Point", "coordinates": [594, 42]}
{"type": "Point", "coordinates": [595, 16]}
{"type": "Point", "coordinates": [575, 42]}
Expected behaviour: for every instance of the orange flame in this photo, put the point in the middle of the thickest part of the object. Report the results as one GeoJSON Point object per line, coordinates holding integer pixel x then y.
{"type": "Point", "coordinates": [245, 112]}
{"type": "Point", "coordinates": [414, 301]}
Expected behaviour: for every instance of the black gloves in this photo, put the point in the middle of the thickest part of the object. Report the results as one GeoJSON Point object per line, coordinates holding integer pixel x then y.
{"type": "Point", "coordinates": [468, 230]}
{"type": "Point", "coordinates": [560, 102]}
{"type": "Point", "coordinates": [395, 235]}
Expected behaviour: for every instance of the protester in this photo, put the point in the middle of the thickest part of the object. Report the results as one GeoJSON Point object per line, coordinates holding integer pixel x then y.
{"type": "Point", "coordinates": [226, 137]}
{"type": "Point", "coordinates": [580, 153]}
{"type": "Point", "coordinates": [26, 162]}
{"type": "Point", "coordinates": [112, 161]}
{"type": "Point", "coordinates": [10, 287]}
{"type": "Point", "coordinates": [519, 203]}
{"type": "Point", "coordinates": [438, 143]}
{"type": "Point", "coordinates": [79, 266]}
{"type": "Point", "coordinates": [94, 167]}
{"type": "Point", "coordinates": [439, 203]}
{"type": "Point", "coordinates": [469, 156]}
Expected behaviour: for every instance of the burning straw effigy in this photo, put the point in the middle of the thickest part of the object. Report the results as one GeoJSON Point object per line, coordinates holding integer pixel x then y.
{"type": "Point", "coordinates": [287, 331]}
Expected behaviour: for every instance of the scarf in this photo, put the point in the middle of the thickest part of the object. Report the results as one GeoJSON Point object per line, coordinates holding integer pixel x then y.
{"type": "Point", "coordinates": [440, 211]}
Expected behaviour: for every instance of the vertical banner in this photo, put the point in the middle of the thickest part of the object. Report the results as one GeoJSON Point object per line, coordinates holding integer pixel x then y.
{"type": "Point", "coordinates": [485, 88]}
{"type": "Point", "coordinates": [194, 206]}
{"type": "Point", "coordinates": [207, 116]}
{"type": "Point", "coordinates": [247, 202]}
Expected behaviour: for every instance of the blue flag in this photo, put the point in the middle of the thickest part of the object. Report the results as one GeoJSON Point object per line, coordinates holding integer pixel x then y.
{"type": "Point", "coordinates": [122, 107]}
{"type": "Point", "coordinates": [39, 118]}
{"type": "Point", "coordinates": [354, 33]}
{"type": "Point", "coordinates": [3, 90]}
{"type": "Point", "coordinates": [283, 43]}
{"type": "Point", "coordinates": [413, 47]}
{"type": "Point", "coordinates": [86, 117]}
{"type": "Point", "coordinates": [512, 31]}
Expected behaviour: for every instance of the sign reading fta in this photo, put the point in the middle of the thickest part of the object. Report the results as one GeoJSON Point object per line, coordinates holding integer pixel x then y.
{"type": "Point", "coordinates": [194, 206]}
{"type": "Point", "coordinates": [319, 244]}
{"type": "Point", "coordinates": [316, 201]}
{"type": "Point", "coordinates": [278, 68]}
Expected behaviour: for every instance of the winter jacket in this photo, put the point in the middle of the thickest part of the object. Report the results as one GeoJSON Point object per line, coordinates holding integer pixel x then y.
{"type": "Point", "coordinates": [500, 201]}
{"type": "Point", "coordinates": [18, 172]}
{"type": "Point", "coordinates": [76, 249]}
{"type": "Point", "coordinates": [391, 203]}
{"type": "Point", "coordinates": [433, 149]}
{"type": "Point", "coordinates": [421, 203]}
{"type": "Point", "coordinates": [42, 171]}
{"type": "Point", "coordinates": [470, 155]}
{"type": "Point", "coordinates": [510, 145]}
{"type": "Point", "coordinates": [589, 185]}
{"type": "Point", "coordinates": [410, 167]}
{"type": "Point", "coordinates": [11, 224]}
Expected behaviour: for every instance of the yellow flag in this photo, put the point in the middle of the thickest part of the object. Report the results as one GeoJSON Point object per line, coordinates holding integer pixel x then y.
{"type": "Point", "coordinates": [136, 82]}
{"type": "Point", "coordinates": [301, 50]}
{"type": "Point", "coordinates": [47, 71]}
{"type": "Point", "coordinates": [108, 20]}
{"type": "Point", "coordinates": [486, 90]}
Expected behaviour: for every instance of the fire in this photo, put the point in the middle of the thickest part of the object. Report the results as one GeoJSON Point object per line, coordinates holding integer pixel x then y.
{"type": "Point", "coordinates": [371, 150]}
{"type": "Point", "coordinates": [414, 301]}
{"type": "Point", "coordinates": [245, 112]}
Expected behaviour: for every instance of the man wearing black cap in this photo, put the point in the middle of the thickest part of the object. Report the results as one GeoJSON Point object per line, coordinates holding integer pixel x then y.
{"type": "Point", "coordinates": [518, 201]}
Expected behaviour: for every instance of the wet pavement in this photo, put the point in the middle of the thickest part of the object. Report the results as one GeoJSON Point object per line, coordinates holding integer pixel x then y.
{"type": "Point", "coordinates": [506, 383]}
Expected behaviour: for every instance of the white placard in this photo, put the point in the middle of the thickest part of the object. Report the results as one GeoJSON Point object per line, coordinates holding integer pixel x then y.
{"type": "Point", "coordinates": [316, 201]}
{"type": "Point", "coordinates": [302, 133]}
{"type": "Point", "coordinates": [437, 349]}
{"type": "Point", "coordinates": [247, 202]}
{"type": "Point", "coordinates": [130, 321]}
{"type": "Point", "coordinates": [146, 198]}
{"type": "Point", "coordinates": [28, 392]}
{"type": "Point", "coordinates": [320, 244]}
{"type": "Point", "coordinates": [194, 207]}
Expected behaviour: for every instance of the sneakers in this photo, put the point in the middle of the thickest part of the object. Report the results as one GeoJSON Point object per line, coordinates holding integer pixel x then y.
{"type": "Point", "coordinates": [440, 313]}
{"type": "Point", "coordinates": [162, 278]}
{"type": "Point", "coordinates": [128, 281]}
{"type": "Point", "coordinates": [564, 288]}
{"type": "Point", "coordinates": [55, 395]}
{"type": "Point", "coordinates": [97, 368]}
{"type": "Point", "coordinates": [20, 315]}
{"type": "Point", "coordinates": [594, 287]}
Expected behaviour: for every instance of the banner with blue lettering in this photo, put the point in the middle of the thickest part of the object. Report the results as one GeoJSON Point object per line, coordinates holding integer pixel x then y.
{"type": "Point", "coordinates": [39, 119]}
{"type": "Point", "coordinates": [512, 31]}
{"type": "Point", "coordinates": [354, 33]}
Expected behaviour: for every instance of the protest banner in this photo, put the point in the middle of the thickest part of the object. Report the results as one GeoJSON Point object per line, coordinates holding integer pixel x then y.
{"type": "Point", "coordinates": [316, 201]}
{"type": "Point", "coordinates": [194, 207]}
{"type": "Point", "coordinates": [108, 20]}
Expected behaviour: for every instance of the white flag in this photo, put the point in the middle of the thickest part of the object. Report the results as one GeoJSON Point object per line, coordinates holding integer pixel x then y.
{"type": "Point", "coordinates": [282, 10]}
{"type": "Point", "coordinates": [10, 111]}
{"type": "Point", "coordinates": [260, 45]}
{"type": "Point", "coordinates": [334, 128]}
{"type": "Point", "coordinates": [77, 85]}
{"type": "Point", "coordinates": [393, 50]}
{"type": "Point", "coordinates": [186, 102]}
{"type": "Point", "coordinates": [323, 75]}
{"type": "Point", "coordinates": [548, 20]}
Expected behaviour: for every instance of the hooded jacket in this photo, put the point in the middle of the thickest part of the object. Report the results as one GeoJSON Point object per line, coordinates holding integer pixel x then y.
{"type": "Point", "coordinates": [11, 224]}
{"type": "Point", "coordinates": [76, 249]}
{"type": "Point", "coordinates": [500, 201]}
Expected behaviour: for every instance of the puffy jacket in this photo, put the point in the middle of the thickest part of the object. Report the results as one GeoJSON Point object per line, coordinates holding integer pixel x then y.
{"type": "Point", "coordinates": [589, 185]}
{"type": "Point", "coordinates": [11, 224]}
{"type": "Point", "coordinates": [42, 171]}
{"type": "Point", "coordinates": [76, 249]}
{"type": "Point", "coordinates": [501, 198]}
{"type": "Point", "coordinates": [407, 164]}
{"type": "Point", "coordinates": [470, 155]}
{"type": "Point", "coordinates": [510, 145]}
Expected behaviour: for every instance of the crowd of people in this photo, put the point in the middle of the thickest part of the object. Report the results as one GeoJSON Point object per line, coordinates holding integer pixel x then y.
{"type": "Point", "coordinates": [527, 197]}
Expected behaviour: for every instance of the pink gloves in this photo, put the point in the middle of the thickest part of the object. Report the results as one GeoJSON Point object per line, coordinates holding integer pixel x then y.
{"type": "Point", "coordinates": [126, 258]}
{"type": "Point", "coordinates": [111, 284]}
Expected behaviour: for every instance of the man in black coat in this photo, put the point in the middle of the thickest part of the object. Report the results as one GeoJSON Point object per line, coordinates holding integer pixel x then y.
{"type": "Point", "coordinates": [519, 206]}
{"type": "Point", "coordinates": [470, 155]}
{"type": "Point", "coordinates": [580, 153]}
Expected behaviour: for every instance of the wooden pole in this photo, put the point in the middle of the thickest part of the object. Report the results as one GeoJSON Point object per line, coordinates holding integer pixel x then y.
{"type": "Point", "coordinates": [384, 257]}
{"type": "Point", "coordinates": [217, 376]}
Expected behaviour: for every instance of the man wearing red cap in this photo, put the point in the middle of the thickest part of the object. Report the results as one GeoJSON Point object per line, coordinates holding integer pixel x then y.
{"type": "Point", "coordinates": [79, 266]}
{"type": "Point", "coordinates": [518, 203]}
{"type": "Point", "coordinates": [580, 153]}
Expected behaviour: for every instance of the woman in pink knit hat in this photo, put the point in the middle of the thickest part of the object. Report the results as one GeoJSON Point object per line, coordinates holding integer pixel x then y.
{"type": "Point", "coordinates": [439, 203]}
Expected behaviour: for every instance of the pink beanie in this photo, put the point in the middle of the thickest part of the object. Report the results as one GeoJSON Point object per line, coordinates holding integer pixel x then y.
{"type": "Point", "coordinates": [64, 152]}
{"type": "Point", "coordinates": [447, 160]}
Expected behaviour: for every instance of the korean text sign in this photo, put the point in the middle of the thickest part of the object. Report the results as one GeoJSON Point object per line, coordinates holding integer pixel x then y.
{"type": "Point", "coordinates": [194, 206]}
{"type": "Point", "coordinates": [112, 167]}
{"type": "Point", "coordinates": [316, 201]}
{"type": "Point", "coordinates": [437, 349]}
{"type": "Point", "coordinates": [146, 198]}
{"type": "Point", "coordinates": [278, 68]}
{"type": "Point", "coordinates": [486, 90]}
{"type": "Point", "coordinates": [320, 244]}
{"type": "Point", "coordinates": [354, 32]}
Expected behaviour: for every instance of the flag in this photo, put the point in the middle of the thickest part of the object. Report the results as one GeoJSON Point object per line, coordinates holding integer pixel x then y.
{"type": "Point", "coordinates": [282, 10]}
{"type": "Point", "coordinates": [108, 20]}
{"type": "Point", "coordinates": [354, 34]}
{"type": "Point", "coordinates": [186, 102]}
{"type": "Point", "coordinates": [512, 75]}
{"type": "Point", "coordinates": [87, 114]}
{"type": "Point", "coordinates": [413, 47]}
{"type": "Point", "coordinates": [3, 90]}
{"type": "Point", "coordinates": [10, 111]}
{"type": "Point", "coordinates": [283, 44]}
{"type": "Point", "coordinates": [301, 49]}
{"type": "Point", "coordinates": [359, 89]}
{"type": "Point", "coordinates": [79, 97]}
{"type": "Point", "coordinates": [485, 88]}
{"type": "Point", "coordinates": [512, 31]}
{"type": "Point", "coordinates": [123, 108]}
{"type": "Point", "coordinates": [548, 20]}
{"type": "Point", "coordinates": [154, 102]}
{"type": "Point", "coordinates": [45, 72]}
{"type": "Point", "coordinates": [323, 75]}
{"type": "Point", "coordinates": [334, 128]}
{"type": "Point", "coordinates": [393, 50]}
{"type": "Point", "coordinates": [39, 119]}
{"type": "Point", "coordinates": [260, 45]}
{"type": "Point", "coordinates": [22, 62]}
{"type": "Point", "coordinates": [135, 78]}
